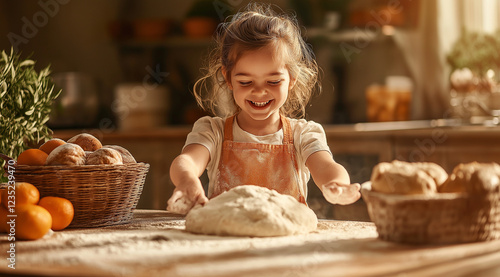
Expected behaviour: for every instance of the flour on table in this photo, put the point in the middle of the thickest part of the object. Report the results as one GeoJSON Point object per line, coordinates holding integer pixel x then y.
{"type": "Point", "coordinates": [251, 211]}
{"type": "Point", "coordinates": [154, 243]}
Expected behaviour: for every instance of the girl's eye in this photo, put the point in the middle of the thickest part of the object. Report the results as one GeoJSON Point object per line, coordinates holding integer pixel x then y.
{"type": "Point", "coordinates": [274, 82]}
{"type": "Point", "coordinates": [245, 83]}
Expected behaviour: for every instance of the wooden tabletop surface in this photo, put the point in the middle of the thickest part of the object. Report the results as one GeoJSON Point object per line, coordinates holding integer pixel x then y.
{"type": "Point", "coordinates": [154, 243]}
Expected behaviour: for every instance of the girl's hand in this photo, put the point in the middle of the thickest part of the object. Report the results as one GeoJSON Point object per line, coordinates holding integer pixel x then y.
{"type": "Point", "coordinates": [185, 198]}
{"type": "Point", "coordinates": [342, 194]}
{"type": "Point", "coordinates": [185, 172]}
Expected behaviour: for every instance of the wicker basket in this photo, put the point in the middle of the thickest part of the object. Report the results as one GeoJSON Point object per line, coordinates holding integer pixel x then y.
{"type": "Point", "coordinates": [102, 195]}
{"type": "Point", "coordinates": [441, 219]}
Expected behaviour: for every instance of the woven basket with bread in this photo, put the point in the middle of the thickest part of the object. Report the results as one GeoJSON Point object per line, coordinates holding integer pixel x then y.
{"type": "Point", "coordinates": [104, 183]}
{"type": "Point", "coordinates": [419, 203]}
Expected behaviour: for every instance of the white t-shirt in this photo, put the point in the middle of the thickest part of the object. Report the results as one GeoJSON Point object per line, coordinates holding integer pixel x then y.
{"type": "Point", "coordinates": [308, 136]}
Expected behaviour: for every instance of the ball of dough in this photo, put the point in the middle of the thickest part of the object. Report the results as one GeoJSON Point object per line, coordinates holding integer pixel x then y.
{"type": "Point", "coordinates": [66, 154]}
{"type": "Point", "coordinates": [104, 156]}
{"type": "Point", "coordinates": [472, 178]}
{"type": "Point", "coordinates": [87, 141]}
{"type": "Point", "coordinates": [126, 155]}
{"type": "Point", "coordinates": [399, 177]}
{"type": "Point", "coordinates": [251, 211]}
{"type": "Point", "coordinates": [181, 206]}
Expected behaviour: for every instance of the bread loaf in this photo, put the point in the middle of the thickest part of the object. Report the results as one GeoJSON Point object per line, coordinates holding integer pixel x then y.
{"type": "Point", "coordinates": [66, 154]}
{"type": "Point", "coordinates": [435, 171]}
{"type": "Point", "coordinates": [104, 156]}
{"type": "Point", "coordinates": [472, 178]}
{"type": "Point", "coordinates": [87, 141]}
{"type": "Point", "coordinates": [126, 155]}
{"type": "Point", "coordinates": [398, 177]}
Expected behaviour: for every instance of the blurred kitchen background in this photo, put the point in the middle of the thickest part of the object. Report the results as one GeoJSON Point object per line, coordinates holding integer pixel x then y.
{"type": "Point", "coordinates": [127, 68]}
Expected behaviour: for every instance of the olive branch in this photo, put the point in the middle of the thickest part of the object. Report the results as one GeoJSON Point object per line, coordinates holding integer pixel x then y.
{"type": "Point", "coordinates": [26, 99]}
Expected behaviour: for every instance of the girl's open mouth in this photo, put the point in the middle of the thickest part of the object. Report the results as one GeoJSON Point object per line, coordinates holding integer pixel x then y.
{"type": "Point", "coordinates": [260, 104]}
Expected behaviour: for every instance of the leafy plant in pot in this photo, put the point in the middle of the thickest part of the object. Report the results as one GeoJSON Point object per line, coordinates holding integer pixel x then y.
{"type": "Point", "coordinates": [479, 53]}
{"type": "Point", "coordinates": [475, 78]}
{"type": "Point", "coordinates": [25, 107]}
{"type": "Point", "coordinates": [202, 18]}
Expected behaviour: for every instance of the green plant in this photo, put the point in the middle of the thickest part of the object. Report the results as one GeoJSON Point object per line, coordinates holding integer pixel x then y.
{"type": "Point", "coordinates": [26, 99]}
{"type": "Point", "coordinates": [477, 51]}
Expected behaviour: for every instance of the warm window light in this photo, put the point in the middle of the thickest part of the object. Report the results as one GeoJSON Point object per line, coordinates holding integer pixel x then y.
{"type": "Point", "coordinates": [489, 19]}
{"type": "Point", "coordinates": [481, 15]}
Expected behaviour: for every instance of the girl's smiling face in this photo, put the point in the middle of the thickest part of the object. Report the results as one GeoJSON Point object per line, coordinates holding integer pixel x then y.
{"type": "Point", "coordinates": [260, 84]}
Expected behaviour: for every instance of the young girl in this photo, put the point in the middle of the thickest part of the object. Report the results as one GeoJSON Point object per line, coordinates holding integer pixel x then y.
{"type": "Point", "coordinates": [260, 79]}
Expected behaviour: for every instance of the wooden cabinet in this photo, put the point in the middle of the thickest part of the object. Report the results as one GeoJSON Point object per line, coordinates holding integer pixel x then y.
{"type": "Point", "coordinates": [449, 147]}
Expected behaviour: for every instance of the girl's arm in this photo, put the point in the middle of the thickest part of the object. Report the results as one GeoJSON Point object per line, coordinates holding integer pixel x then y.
{"type": "Point", "coordinates": [332, 179]}
{"type": "Point", "coordinates": [185, 173]}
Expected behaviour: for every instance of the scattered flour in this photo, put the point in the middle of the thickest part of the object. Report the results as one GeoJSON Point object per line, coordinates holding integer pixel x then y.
{"type": "Point", "coordinates": [157, 245]}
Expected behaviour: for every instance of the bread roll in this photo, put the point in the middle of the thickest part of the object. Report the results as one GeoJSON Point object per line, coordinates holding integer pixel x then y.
{"type": "Point", "coordinates": [435, 171]}
{"type": "Point", "coordinates": [87, 141]}
{"type": "Point", "coordinates": [104, 156]}
{"type": "Point", "coordinates": [66, 154]}
{"type": "Point", "coordinates": [126, 155]}
{"type": "Point", "coordinates": [472, 178]}
{"type": "Point", "coordinates": [399, 177]}
{"type": "Point", "coordinates": [87, 153]}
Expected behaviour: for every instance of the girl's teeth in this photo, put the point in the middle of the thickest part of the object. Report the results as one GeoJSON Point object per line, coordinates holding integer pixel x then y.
{"type": "Point", "coordinates": [260, 104]}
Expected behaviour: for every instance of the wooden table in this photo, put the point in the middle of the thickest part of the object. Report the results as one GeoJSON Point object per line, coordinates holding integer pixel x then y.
{"type": "Point", "coordinates": [155, 244]}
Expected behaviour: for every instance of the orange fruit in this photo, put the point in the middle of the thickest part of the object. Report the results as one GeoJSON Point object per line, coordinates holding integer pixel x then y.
{"type": "Point", "coordinates": [32, 222]}
{"type": "Point", "coordinates": [32, 157]}
{"type": "Point", "coordinates": [4, 228]}
{"type": "Point", "coordinates": [51, 144]}
{"type": "Point", "coordinates": [26, 193]}
{"type": "Point", "coordinates": [60, 209]}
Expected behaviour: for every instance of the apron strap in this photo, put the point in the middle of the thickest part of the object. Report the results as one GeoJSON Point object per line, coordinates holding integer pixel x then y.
{"type": "Point", "coordinates": [287, 130]}
{"type": "Point", "coordinates": [285, 122]}
{"type": "Point", "coordinates": [228, 128]}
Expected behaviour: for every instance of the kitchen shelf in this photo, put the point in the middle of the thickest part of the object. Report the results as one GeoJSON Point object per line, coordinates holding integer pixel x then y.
{"type": "Point", "coordinates": [341, 35]}
{"type": "Point", "coordinates": [170, 42]}
{"type": "Point", "coordinates": [311, 33]}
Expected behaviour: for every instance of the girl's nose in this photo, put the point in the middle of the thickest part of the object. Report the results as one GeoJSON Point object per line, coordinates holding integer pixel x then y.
{"type": "Point", "coordinates": [258, 90]}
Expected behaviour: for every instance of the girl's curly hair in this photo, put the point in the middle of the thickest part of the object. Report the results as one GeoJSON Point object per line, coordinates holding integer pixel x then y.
{"type": "Point", "coordinates": [257, 27]}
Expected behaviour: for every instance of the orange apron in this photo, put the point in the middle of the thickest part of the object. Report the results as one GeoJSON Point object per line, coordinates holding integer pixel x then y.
{"type": "Point", "coordinates": [265, 165]}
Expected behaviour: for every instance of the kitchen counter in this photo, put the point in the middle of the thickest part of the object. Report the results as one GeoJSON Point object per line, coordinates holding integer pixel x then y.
{"type": "Point", "coordinates": [377, 129]}
{"type": "Point", "coordinates": [154, 243]}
